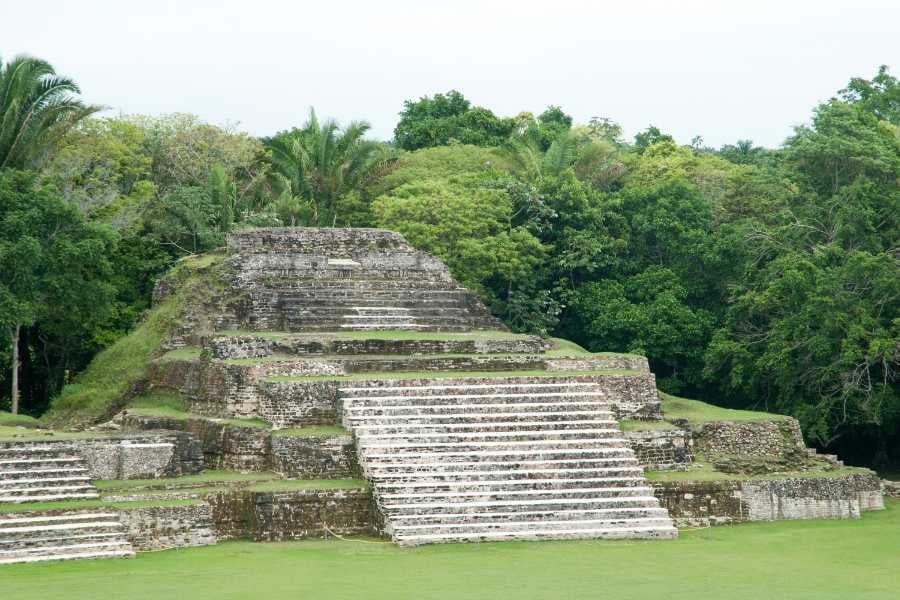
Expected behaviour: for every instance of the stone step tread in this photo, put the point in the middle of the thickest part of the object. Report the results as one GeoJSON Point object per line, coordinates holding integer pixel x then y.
{"type": "Point", "coordinates": [40, 498]}
{"type": "Point", "coordinates": [70, 556]}
{"type": "Point", "coordinates": [466, 476]}
{"type": "Point", "coordinates": [509, 494]}
{"type": "Point", "coordinates": [521, 502]}
{"type": "Point", "coordinates": [440, 467]}
{"type": "Point", "coordinates": [532, 416]}
{"type": "Point", "coordinates": [52, 488]}
{"type": "Point", "coordinates": [355, 410]}
{"type": "Point", "coordinates": [664, 522]}
{"type": "Point", "coordinates": [495, 426]}
{"type": "Point", "coordinates": [56, 539]}
{"type": "Point", "coordinates": [507, 482]}
{"type": "Point", "coordinates": [121, 544]}
{"type": "Point", "coordinates": [17, 461]}
{"type": "Point", "coordinates": [63, 517]}
{"type": "Point", "coordinates": [73, 470]}
{"type": "Point", "coordinates": [440, 447]}
{"type": "Point", "coordinates": [630, 532]}
{"type": "Point", "coordinates": [362, 401]}
{"type": "Point", "coordinates": [493, 453]}
{"type": "Point", "coordinates": [61, 527]}
{"type": "Point", "coordinates": [415, 388]}
{"type": "Point", "coordinates": [486, 434]}
{"type": "Point", "coordinates": [20, 480]}
{"type": "Point", "coordinates": [494, 517]}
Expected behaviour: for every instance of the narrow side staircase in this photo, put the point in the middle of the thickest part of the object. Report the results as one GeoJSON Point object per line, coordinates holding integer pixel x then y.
{"type": "Point", "coordinates": [35, 472]}
{"type": "Point", "coordinates": [31, 537]}
{"type": "Point", "coordinates": [466, 461]}
{"type": "Point", "coordinates": [41, 473]}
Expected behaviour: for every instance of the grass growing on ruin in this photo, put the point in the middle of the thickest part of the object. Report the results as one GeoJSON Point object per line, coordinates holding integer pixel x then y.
{"type": "Point", "coordinates": [696, 411]}
{"type": "Point", "coordinates": [635, 425]}
{"type": "Point", "coordinates": [113, 370]}
{"type": "Point", "coordinates": [91, 504]}
{"type": "Point", "coordinates": [796, 560]}
{"type": "Point", "coordinates": [11, 420]}
{"type": "Point", "coordinates": [204, 478]}
{"type": "Point", "coordinates": [706, 472]}
{"type": "Point", "coordinates": [287, 485]}
{"type": "Point", "coordinates": [312, 431]}
{"type": "Point", "coordinates": [451, 374]}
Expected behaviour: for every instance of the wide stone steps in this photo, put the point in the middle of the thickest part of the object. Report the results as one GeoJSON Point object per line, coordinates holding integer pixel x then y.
{"type": "Point", "coordinates": [524, 399]}
{"type": "Point", "coordinates": [599, 409]}
{"type": "Point", "coordinates": [61, 536]}
{"type": "Point", "coordinates": [553, 532]}
{"type": "Point", "coordinates": [451, 387]}
{"type": "Point", "coordinates": [508, 476]}
{"type": "Point", "coordinates": [475, 460]}
{"type": "Point", "coordinates": [539, 418]}
{"type": "Point", "coordinates": [492, 517]}
{"type": "Point", "coordinates": [488, 464]}
{"type": "Point", "coordinates": [32, 472]}
{"type": "Point", "coordinates": [373, 437]}
{"type": "Point", "coordinates": [498, 427]}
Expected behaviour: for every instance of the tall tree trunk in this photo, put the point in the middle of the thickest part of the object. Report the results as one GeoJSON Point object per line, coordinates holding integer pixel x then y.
{"type": "Point", "coordinates": [15, 369]}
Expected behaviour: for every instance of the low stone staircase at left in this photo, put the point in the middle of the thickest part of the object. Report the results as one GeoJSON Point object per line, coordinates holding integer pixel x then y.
{"type": "Point", "coordinates": [37, 537]}
{"type": "Point", "coordinates": [33, 472]}
{"type": "Point", "coordinates": [41, 473]}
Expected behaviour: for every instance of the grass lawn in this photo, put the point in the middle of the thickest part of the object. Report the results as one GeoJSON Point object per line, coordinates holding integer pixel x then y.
{"type": "Point", "coordinates": [795, 560]}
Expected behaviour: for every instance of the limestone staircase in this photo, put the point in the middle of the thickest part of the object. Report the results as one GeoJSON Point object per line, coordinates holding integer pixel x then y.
{"type": "Point", "coordinates": [368, 305]}
{"type": "Point", "coordinates": [36, 472]}
{"type": "Point", "coordinates": [470, 460]}
{"type": "Point", "coordinates": [40, 473]}
{"type": "Point", "coordinates": [38, 537]}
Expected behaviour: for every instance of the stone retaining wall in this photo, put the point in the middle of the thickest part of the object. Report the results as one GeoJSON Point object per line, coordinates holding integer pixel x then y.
{"type": "Point", "coordinates": [161, 527]}
{"type": "Point", "coordinates": [331, 457]}
{"type": "Point", "coordinates": [750, 438]}
{"type": "Point", "coordinates": [291, 515]}
{"type": "Point", "coordinates": [233, 447]}
{"type": "Point", "coordinates": [702, 503]}
{"type": "Point", "coordinates": [661, 450]}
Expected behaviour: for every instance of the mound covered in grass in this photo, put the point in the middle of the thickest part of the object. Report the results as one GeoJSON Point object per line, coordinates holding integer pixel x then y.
{"type": "Point", "coordinates": [103, 387]}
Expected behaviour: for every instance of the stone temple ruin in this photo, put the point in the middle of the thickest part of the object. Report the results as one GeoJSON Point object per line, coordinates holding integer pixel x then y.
{"type": "Point", "coordinates": [338, 381]}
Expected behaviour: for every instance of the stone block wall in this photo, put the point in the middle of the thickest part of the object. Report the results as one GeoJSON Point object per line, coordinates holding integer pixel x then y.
{"type": "Point", "coordinates": [329, 457]}
{"type": "Point", "coordinates": [750, 438]}
{"type": "Point", "coordinates": [233, 447]}
{"type": "Point", "coordinates": [161, 527]}
{"type": "Point", "coordinates": [291, 515]}
{"type": "Point", "coordinates": [701, 503]}
{"type": "Point", "coordinates": [661, 450]}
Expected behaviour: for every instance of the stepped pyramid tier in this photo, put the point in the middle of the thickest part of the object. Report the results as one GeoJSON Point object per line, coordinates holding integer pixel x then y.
{"type": "Point", "coordinates": [299, 279]}
{"type": "Point", "coordinates": [475, 461]}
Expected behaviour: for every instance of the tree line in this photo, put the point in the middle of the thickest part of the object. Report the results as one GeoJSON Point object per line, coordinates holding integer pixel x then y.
{"type": "Point", "coordinates": [749, 277]}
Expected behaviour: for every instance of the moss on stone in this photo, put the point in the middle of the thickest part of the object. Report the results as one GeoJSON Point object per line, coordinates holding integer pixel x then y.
{"type": "Point", "coordinates": [313, 431]}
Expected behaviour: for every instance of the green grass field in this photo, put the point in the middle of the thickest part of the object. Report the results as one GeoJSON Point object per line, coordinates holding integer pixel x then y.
{"type": "Point", "coordinates": [795, 560]}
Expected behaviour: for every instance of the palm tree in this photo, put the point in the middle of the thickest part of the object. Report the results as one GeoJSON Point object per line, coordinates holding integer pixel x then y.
{"type": "Point", "coordinates": [322, 162]}
{"type": "Point", "coordinates": [525, 153]}
{"type": "Point", "coordinates": [37, 107]}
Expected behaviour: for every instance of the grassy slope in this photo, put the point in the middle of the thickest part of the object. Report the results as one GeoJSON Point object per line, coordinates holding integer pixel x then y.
{"type": "Point", "coordinates": [797, 560]}
{"type": "Point", "coordinates": [112, 371]}
{"type": "Point", "coordinates": [696, 411]}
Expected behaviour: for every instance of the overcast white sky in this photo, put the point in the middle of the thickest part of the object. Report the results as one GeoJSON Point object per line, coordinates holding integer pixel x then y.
{"type": "Point", "coordinates": [726, 69]}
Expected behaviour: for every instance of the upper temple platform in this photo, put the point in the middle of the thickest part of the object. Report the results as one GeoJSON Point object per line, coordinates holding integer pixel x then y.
{"type": "Point", "coordinates": [310, 279]}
